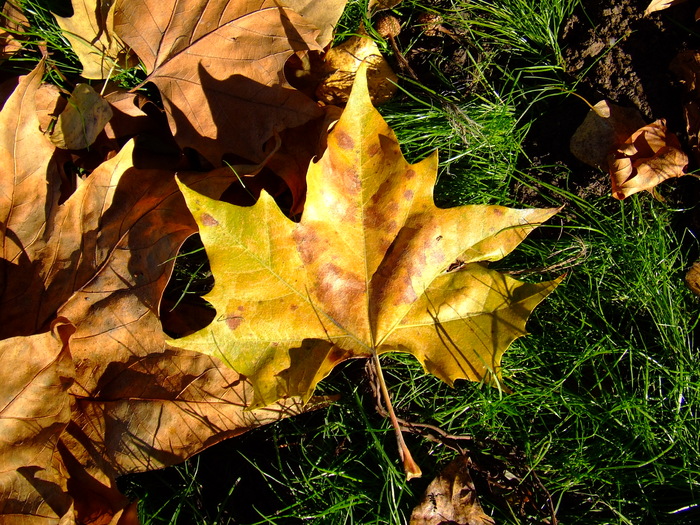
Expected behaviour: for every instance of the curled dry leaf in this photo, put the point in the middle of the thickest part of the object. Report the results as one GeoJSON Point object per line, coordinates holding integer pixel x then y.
{"type": "Point", "coordinates": [219, 67]}
{"type": "Point", "coordinates": [647, 158]}
{"type": "Point", "coordinates": [451, 498]}
{"type": "Point", "coordinates": [605, 127]}
{"type": "Point", "coordinates": [85, 116]}
{"type": "Point", "coordinates": [692, 278]}
{"type": "Point", "coordinates": [115, 399]}
{"type": "Point", "coordinates": [341, 65]}
{"type": "Point", "coordinates": [637, 156]}
{"type": "Point", "coordinates": [90, 32]}
{"type": "Point", "coordinates": [364, 270]}
{"type": "Point", "coordinates": [659, 5]}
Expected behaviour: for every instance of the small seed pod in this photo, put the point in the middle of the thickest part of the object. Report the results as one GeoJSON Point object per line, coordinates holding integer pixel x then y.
{"type": "Point", "coordinates": [431, 24]}
{"type": "Point", "coordinates": [388, 26]}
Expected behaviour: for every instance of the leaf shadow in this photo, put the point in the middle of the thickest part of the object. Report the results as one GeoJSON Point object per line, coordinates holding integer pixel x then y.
{"type": "Point", "coordinates": [246, 115]}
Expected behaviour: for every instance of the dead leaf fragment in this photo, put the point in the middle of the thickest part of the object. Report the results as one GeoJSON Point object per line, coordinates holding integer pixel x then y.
{"type": "Point", "coordinates": [375, 6]}
{"type": "Point", "coordinates": [686, 67]}
{"type": "Point", "coordinates": [90, 32]}
{"type": "Point", "coordinates": [84, 117]}
{"type": "Point", "coordinates": [692, 278]}
{"type": "Point", "coordinates": [363, 271]}
{"type": "Point", "coordinates": [659, 5]}
{"type": "Point", "coordinates": [605, 127]}
{"type": "Point", "coordinates": [451, 498]}
{"type": "Point", "coordinates": [324, 14]}
{"type": "Point", "coordinates": [341, 65]}
{"type": "Point", "coordinates": [12, 25]}
{"type": "Point", "coordinates": [647, 158]}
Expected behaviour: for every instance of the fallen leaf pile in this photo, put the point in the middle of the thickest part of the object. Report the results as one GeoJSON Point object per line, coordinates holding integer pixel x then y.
{"type": "Point", "coordinates": [98, 193]}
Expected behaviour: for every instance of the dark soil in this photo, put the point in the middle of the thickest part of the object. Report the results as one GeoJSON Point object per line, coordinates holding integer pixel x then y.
{"type": "Point", "coordinates": [613, 52]}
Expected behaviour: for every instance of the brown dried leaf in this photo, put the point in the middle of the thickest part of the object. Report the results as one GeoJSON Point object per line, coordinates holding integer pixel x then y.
{"type": "Point", "coordinates": [658, 5]}
{"type": "Point", "coordinates": [323, 14]}
{"type": "Point", "coordinates": [12, 23]}
{"type": "Point", "coordinates": [341, 65]}
{"type": "Point", "coordinates": [647, 158]}
{"type": "Point", "coordinates": [219, 67]}
{"type": "Point", "coordinates": [90, 32]}
{"type": "Point", "coordinates": [85, 116]}
{"type": "Point", "coordinates": [375, 6]}
{"type": "Point", "coordinates": [692, 278]}
{"type": "Point", "coordinates": [128, 119]}
{"type": "Point", "coordinates": [98, 262]}
{"type": "Point", "coordinates": [605, 127]}
{"type": "Point", "coordinates": [451, 498]}
{"type": "Point", "coordinates": [686, 67]}
{"type": "Point", "coordinates": [34, 412]}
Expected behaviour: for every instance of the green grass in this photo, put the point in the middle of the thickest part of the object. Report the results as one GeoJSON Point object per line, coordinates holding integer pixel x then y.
{"type": "Point", "coordinates": [604, 402]}
{"type": "Point", "coordinates": [62, 63]}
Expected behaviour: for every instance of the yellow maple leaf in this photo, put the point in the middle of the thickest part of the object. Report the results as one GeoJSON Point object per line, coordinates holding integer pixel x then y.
{"type": "Point", "coordinates": [365, 270]}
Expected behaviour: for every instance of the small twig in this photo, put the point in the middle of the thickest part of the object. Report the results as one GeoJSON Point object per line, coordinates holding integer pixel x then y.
{"type": "Point", "coordinates": [421, 429]}
{"type": "Point", "coordinates": [410, 467]}
{"type": "Point", "coordinates": [550, 503]}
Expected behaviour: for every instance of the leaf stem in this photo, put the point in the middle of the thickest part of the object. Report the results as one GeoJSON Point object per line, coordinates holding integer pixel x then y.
{"type": "Point", "coordinates": [410, 467]}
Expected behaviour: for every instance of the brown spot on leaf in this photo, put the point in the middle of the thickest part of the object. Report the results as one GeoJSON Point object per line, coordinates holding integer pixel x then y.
{"type": "Point", "coordinates": [208, 220]}
{"type": "Point", "coordinates": [343, 286]}
{"type": "Point", "coordinates": [410, 174]}
{"type": "Point", "coordinates": [345, 141]}
{"type": "Point", "coordinates": [307, 240]}
{"type": "Point", "coordinates": [374, 149]}
{"type": "Point", "coordinates": [408, 195]}
{"type": "Point", "coordinates": [234, 322]}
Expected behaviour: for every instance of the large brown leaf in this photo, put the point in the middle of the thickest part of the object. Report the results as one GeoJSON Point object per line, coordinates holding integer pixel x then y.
{"type": "Point", "coordinates": [219, 67]}
{"type": "Point", "coordinates": [98, 263]}
{"type": "Point", "coordinates": [364, 271]}
{"type": "Point", "coordinates": [34, 412]}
